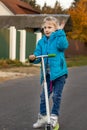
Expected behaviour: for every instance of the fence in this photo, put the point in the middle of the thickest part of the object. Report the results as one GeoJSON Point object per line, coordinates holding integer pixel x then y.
{"type": "Point", "coordinates": [5, 43]}
{"type": "Point", "coordinates": [76, 48]}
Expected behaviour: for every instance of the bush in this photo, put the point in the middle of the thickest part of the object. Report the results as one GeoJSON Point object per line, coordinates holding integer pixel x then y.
{"type": "Point", "coordinates": [9, 63]}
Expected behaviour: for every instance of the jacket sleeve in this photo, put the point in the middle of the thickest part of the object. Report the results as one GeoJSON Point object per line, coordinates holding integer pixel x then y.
{"type": "Point", "coordinates": [62, 42]}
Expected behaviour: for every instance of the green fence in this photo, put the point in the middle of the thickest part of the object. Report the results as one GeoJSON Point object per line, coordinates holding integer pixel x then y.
{"type": "Point", "coordinates": [18, 45]}
{"type": "Point", "coordinates": [30, 43]}
{"type": "Point", "coordinates": [4, 43]}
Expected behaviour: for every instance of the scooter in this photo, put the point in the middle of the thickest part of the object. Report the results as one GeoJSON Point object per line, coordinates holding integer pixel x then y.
{"type": "Point", "coordinates": [48, 126]}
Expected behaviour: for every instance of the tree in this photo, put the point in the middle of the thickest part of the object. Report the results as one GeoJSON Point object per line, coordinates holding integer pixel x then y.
{"type": "Point", "coordinates": [33, 4]}
{"type": "Point", "coordinates": [57, 9]}
{"type": "Point", "coordinates": [79, 19]}
{"type": "Point", "coordinates": [74, 3]}
{"type": "Point", "coordinates": [26, 1]}
{"type": "Point", "coordinates": [76, 0]}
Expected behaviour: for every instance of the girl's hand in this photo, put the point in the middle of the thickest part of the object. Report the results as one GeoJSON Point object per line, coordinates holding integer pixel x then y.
{"type": "Point", "coordinates": [32, 57]}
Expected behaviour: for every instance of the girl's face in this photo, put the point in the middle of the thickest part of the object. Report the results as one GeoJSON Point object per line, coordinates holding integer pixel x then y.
{"type": "Point", "coordinates": [49, 27]}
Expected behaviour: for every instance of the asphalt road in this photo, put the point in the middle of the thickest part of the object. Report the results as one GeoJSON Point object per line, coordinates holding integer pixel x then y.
{"type": "Point", "coordinates": [19, 102]}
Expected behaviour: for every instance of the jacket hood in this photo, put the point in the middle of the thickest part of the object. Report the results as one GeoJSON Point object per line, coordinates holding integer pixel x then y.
{"type": "Point", "coordinates": [57, 33]}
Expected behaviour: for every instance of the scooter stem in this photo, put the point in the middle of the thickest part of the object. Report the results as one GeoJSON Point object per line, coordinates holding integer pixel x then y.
{"type": "Point", "coordinates": [46, 92]}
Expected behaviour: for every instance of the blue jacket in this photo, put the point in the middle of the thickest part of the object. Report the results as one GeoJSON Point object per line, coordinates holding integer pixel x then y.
{"type": "Point", "coordinates": [55, 44]}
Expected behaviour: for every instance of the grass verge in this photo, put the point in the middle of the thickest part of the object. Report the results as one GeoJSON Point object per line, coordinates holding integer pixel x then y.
{"type": "Point", "coordinates": [71, 62]}
{"type": "Point", "coordinates": [77, 61]}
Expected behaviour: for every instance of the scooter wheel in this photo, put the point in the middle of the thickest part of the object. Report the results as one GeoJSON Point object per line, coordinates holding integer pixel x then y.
{"type": "Point", "coordinates": [48, 127]}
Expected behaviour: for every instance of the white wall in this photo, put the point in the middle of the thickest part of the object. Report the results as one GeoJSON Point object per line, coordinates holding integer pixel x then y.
{"type": "Point", "coordinates": [4, 10]}
{"type": "Point", "coordinates": [38, 36]}
{"type": "Point", "coordinates": [22, 45]}
{"type": "Point", "coordinates": [12, 49]}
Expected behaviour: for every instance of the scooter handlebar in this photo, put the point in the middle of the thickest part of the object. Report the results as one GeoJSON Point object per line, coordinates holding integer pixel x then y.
{"type": "Point", "coordinates": [44, 56]}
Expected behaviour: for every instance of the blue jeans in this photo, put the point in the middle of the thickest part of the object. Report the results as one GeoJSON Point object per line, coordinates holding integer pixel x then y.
{"type": "Point", "coordinates": [57, 88]}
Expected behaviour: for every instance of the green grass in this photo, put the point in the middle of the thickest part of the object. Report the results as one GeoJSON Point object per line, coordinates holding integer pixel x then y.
{"type": "Point", "coordinates": [71, 62]}
{"type": "Point", "coordinates": [6, 63]}
{"type": "Point", "coordinates": [77, 61]}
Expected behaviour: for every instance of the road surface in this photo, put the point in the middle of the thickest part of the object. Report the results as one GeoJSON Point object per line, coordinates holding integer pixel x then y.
{"type": "Point", "coordinates": [19, 102]}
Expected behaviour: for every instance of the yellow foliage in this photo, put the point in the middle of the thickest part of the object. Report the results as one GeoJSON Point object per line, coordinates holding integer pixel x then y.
{"type": "Point", "coordinates": [79, 19]}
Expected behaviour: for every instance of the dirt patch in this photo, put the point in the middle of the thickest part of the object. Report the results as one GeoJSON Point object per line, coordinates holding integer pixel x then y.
{"type": "Point", "coordinates": [18, 72]}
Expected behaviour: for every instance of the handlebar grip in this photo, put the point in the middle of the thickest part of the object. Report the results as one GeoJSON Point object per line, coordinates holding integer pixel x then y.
{"type": "Point", "coordinates": [51, 55]}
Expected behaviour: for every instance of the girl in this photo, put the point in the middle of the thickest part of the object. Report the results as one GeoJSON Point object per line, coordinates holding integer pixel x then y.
{"type": "Point", "coordinates": [54, 41]}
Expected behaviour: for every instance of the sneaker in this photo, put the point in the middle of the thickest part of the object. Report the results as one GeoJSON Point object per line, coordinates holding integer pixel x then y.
{"type": "Point", "coordinates": [42, 120]}
{"type": "Point", "coordinates": [54, 120]}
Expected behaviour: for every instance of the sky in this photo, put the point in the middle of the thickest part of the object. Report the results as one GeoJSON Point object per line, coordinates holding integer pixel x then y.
{"type": "Point", "coordinates": [64, 3]}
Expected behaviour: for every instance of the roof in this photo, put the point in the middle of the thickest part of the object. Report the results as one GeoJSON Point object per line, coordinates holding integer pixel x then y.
{"type": "Point", "coordinates": [19, 7]}
{"type": "Point", "coordinates": [30, 21]}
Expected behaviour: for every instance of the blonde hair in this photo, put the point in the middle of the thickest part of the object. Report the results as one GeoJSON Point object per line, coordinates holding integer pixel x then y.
{"type": "Point", "coordinates": [50, 19]}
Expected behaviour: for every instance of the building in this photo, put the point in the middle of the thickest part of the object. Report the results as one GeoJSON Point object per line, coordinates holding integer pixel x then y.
{"type": "Point", "coordinates": [14, 7]}
{"type": "Point", "coordinates": [8, 9]}
{"type": "Point", "coordinates": [17, 17]}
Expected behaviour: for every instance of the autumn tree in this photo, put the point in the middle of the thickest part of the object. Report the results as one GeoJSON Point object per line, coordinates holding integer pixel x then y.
{"type": "Point", "coordinates": [78, 15]}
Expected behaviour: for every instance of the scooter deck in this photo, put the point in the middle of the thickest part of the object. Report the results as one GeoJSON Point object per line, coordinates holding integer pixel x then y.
{"type": "Point", "coordinates": [50, 128]}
